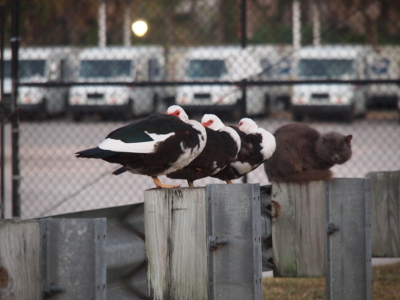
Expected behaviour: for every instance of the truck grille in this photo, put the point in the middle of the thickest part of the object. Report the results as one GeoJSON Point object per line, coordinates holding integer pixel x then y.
{"type": "Point", "coordinates": [201, 96]}
{"type": "Point", "coordinates": [95, 96]}
{"type": "Point", "coordinates": [321, 96]}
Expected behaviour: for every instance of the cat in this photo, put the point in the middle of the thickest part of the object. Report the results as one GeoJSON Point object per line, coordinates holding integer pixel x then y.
{"type": "Point", "coordinates": [303, 154]}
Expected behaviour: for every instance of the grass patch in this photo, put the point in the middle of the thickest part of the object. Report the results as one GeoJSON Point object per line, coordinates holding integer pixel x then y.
{"type": "Point", "coordinates": [385, 286]}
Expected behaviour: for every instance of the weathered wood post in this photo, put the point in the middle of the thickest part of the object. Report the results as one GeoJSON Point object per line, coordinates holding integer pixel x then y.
{"type": "Point", "coordinates": [20, 259]}
{"type": "Point", "coordinates": [176, 243]}
{"type": "Point", "coordinates": [204, 243]}
{"type": "Point", "coordinates": [298, 234]}
{"type": "Point", "coordinates": [62, 258]}
{"type": "Point", "coordinates": [324, 230]}
{"type": "Point", "coordinates": [385, 224]}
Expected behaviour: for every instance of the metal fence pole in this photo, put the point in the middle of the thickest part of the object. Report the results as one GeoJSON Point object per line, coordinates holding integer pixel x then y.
{"type": "Point", "coordinates": [243, 104]}
{"type": "Point", "coordinates": [102, 24]}
{"type": "Point", "coordinates": [2, 131]}
{"type": "Point", "coordinates": [243, 42]}
{"type": "Point", "coordinates": [16, 201]}
{"type": "Point", "coordinates": [243, 24]}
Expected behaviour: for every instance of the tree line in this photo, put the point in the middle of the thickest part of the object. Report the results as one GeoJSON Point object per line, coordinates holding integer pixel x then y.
{"type": "Point", "coordinates": [199, 22]}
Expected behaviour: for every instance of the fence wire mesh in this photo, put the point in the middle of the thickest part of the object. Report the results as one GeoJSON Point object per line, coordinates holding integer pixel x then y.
{"type": "Point", "coordinates": [84, 71]}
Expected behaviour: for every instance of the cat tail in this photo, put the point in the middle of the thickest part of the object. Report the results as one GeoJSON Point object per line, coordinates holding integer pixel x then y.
{"type": "Point", "coordinates": [305, 176]}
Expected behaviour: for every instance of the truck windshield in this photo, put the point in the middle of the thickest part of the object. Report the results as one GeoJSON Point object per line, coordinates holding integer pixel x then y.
{"type": "Point", "coordinates": [327, 68]}
{"type": "Point", "coordinates": [210, 68]}
{"type": "Point", "coordinates": [7, 69]}
{"type": "Point", "coordinates": [105, 68]}
{"type": "Point", "coordinates": [30, 68]}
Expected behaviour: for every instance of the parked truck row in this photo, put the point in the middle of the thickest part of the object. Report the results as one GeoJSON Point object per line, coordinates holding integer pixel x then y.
{"type": "Point", "coordinates": [127, 81]}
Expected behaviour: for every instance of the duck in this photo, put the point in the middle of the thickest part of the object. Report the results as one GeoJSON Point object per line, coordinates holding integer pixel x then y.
{"type": "Point", "coordinates": [157, 145]}
{"type": "Point", "coordinates": [173, 110]}
{"type": "Point", "coordinates": [222, 146]}
{"type": "Point", "coordinates": [257, 145]}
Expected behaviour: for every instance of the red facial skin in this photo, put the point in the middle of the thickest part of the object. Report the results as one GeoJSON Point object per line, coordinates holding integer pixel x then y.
{"type": "Point", "coordinates": [208, 123]}
{"type": "Point", "coordinates": [176, 113]}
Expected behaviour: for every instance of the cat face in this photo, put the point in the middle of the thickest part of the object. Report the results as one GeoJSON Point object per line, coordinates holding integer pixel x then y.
{"type": "Point", "coordinates": [334, 147]}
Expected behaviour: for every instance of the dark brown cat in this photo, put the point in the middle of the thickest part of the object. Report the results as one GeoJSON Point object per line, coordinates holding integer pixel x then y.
{"type": "Point", "coordinates": [303, 154]}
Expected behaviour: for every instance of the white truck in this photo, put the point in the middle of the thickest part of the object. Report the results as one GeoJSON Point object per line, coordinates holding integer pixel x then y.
{"type": "Point", "coordinates": [384, 64]}
{"type": "Point", "coordinates": [103, 73]}
{"type": "Point", "coordinates": [51, 66]}
{"type": "Point", "coordinates": [326, 63]}
{"type": "Point", "coordinates": [225, 63]}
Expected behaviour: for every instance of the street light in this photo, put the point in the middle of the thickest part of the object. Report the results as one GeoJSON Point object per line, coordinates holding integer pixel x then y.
{"type": "Point", "coordinates": [139, 28]}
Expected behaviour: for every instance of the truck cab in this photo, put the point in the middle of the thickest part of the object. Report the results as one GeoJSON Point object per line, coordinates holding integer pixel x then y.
{"type": "Point", "coordinates": [106, 74]}
{"type": "Point", "coordinates": [228, 63]}
{"type": "Point", "coordinates": [51, 66]}
{"type": "Point", "coordinates": [337, 63]}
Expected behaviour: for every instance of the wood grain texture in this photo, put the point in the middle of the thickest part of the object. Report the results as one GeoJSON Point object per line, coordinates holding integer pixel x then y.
{"type": "Point", "coordinates": [385, 223]}
{"type": "Point", "coordinates": [299, 233]}
{"type": "Point", "coordinates": [176, 243]}
{"type": "Point", "coordinates": [19, 256]}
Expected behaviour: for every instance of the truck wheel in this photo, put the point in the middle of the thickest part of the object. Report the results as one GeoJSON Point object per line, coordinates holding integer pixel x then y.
{"type": "Point", "coordinates": [129, 113]}
{"type": "Point", "coordinates": [77, 117]}
{"type": "Point", "coordinates": [298, 117]}
{"type": "Point", "coordinates": [156, 103]}
{"type": "Point", "coordinates": [42, 114]}
{"type": "Point", "coordinates": [236, 112]}
{"type": "Point", "coordinates": [267, 106]}
{"type": "Point", "coordinates": [349, 116]}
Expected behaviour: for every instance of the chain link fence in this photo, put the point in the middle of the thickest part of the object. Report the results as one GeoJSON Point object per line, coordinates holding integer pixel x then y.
{"type": "Point", "coordinates": [83, 72]}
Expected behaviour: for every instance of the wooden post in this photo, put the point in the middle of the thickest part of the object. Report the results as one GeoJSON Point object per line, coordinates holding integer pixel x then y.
{"type": "Point", "coordinates": [176, 243]}
{"type": "Point", "coordinates": [385, 223]}
{"type": "Point", "coordinates": [299, 233]}
{"type": "Point", "coordinates": [62, 258]}
{"type": "Point", "coordinates": [204, 243]}
{"type": "Point", "coordinates": [324, 230]}
{"type": "Point", "coordinates": [19, 260]}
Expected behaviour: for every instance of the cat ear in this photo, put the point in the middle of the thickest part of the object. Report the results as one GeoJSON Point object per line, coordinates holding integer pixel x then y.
{"type": "Point", "coordinates": [348, 138]}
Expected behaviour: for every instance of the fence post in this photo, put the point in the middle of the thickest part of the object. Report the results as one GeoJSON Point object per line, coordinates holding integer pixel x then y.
{"type": "Point", "coordinates": [204, 243]}
{"type": "Point", "coordinates": [299, 234]}
{"type": "Point", "coordinates": [332, 215]}
{"type": "Point", "coordinates": [48, 257]}
{"type": "Point", "coordinates": [385, 224]}
{"type": "Point", "coordinates": [20, 260]}
{"type": "Point", "coordinates": [176, 243]}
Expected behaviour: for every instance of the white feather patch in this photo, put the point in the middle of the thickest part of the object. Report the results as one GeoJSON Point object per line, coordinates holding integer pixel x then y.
{"type": "Point", "coordinates": [242, 168]}
{"type": "Point", "coordinates": [143, 147]}
{"type": "Point", "coordinates": [268, 144]}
